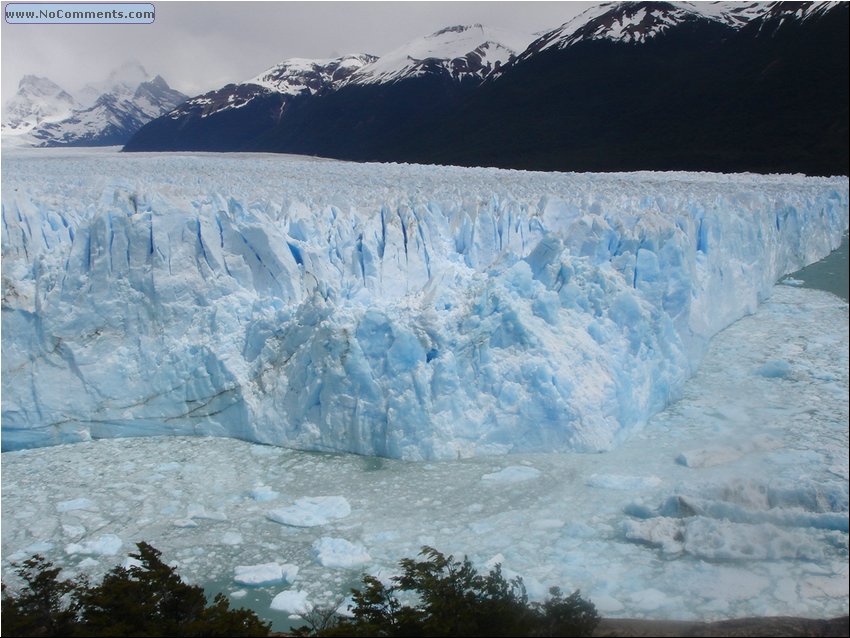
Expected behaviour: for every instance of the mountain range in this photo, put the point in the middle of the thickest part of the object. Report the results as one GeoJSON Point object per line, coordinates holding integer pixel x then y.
{"type": "Point", "coordinates": [720, 86]}
{"type": "Point", "coordinates": [757, 87]}
{"type": "Point", "coordinates": [41, 113]}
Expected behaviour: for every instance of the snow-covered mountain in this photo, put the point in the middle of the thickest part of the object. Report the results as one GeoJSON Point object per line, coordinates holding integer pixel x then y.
{"type": "Point", "coordinates": [639, 22]}
{"type": "Point", "coordinates": [38, 101]}
{"type": "Point", "coordinates": [421, 75]}
{"type": "Point", "coordinates": [394, 310]}
{"type": "Point", "coordinates": [462, 52]}
{"type": "Point", "coordinates": [121, 83]}
{"type": "Point", "coordinates": [623, 86]}
{"type": "Point", "coordinates": [109, 113]}
{"type": "Point", "coordinates": [636, 22]}
{"type": "Point", "coordinates": [290, 78]}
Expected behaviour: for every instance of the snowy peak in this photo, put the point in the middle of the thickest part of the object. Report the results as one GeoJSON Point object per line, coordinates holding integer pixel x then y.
{"type": "Point", "coordinates": [292, 77]}
{"type": "Point", "coordinates": [112, 119]}
{"type": "Point", "coordinates": [131, 73]}
{"type": "Point", "coordinates": [155, 97]}
{"type": "Point", "coordinates": [638, 22]}
{"type": "Point", "coordinates": [35, 86]}
{"type": "Point", "coordinates": [297, 75]}
{"type": "Point", "coordinates": [43, 114]}
{"type": "Point", "coordinates": [801, 10]}
{"type": "Point", "coordinates": [38, 100]}
{"type": "Point", "coordinates": [628, 22]}
{"type": "Point", "coordinates": [738, 15]}
{"type": "Point", "coordinates": [732, 14]}
{"type": "Point", "coordinates": [461, 51]}
{"type": "Point", "coordinates": [780, 14]}
{"type": "Point", "coordinates": [121, 82]}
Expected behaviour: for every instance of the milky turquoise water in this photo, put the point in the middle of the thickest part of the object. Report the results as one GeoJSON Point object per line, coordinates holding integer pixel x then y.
{"type": "Point", "coordinates": [831, 274]}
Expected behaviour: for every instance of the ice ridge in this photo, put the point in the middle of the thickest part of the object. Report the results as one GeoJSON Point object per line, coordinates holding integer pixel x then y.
{"type": "Point", "coordinates": [395, 310]}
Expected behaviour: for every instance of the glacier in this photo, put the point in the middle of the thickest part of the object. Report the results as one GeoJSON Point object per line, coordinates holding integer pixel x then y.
{"type": "Point", "coordinates": [414, 312]}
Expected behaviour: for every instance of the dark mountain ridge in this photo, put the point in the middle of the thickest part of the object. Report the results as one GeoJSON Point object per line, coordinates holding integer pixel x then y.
{"type": "Point", "coordinates": [638, 86]}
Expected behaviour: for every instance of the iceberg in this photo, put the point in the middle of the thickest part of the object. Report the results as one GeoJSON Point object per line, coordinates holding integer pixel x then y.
{"type": "Point", "coordinates": [414, 312]}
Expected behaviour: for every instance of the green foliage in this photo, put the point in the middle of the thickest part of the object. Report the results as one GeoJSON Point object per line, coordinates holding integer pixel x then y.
{"type": "Point", "coordinates": [38, 610]}
{"type": "Point", "coordinates": [148, 599]}
{"type": "Point", "coordinates": [453, 599]}
{"type": "Point", "coordinates": [570, 616]}
{"type": "Point", "coordinates": [439, 596]}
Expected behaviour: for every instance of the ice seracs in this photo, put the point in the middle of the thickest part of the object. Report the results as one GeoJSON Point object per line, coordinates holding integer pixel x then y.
{"type": "Point", "coordinates": [392, 310]}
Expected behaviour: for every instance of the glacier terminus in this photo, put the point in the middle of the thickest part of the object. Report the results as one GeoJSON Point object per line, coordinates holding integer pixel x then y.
{"type": "Point", "coordinates": [404, 311]}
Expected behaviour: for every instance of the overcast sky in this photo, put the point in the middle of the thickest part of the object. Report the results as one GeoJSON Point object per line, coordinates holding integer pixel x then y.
{"type": "Point", "coordinates": [198, 46]}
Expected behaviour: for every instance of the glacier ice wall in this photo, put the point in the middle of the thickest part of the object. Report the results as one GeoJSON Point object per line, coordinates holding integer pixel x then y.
{"type": "Point", "coordinates": [396, 310]}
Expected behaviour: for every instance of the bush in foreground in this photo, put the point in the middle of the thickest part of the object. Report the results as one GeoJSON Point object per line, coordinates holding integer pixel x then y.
{"type": "Point", "coordinates": [437, 596]}
{"type": "Point", "coordinates": [453, 599]}
{"type": "Point", "coordinates": [148, 599]}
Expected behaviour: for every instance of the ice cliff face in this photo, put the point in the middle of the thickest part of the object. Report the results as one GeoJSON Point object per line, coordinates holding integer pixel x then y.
{"type": "Point", "coordinates": [405, 311]}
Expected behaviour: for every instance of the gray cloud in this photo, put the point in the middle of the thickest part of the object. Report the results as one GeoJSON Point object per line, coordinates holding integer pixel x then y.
{"type": "Point", "coordinates": [197, 46]}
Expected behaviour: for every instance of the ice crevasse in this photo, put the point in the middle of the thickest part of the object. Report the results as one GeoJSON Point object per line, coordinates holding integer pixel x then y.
{"type": "Point", "coordinates": [396, 310]}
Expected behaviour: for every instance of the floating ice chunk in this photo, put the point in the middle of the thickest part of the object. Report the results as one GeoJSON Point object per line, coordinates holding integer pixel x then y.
{"type": "Point", "coordinates": [238, 594]}
{"type": "Point", "coordinates": [619, 482]}
{"type": "Point", "coordinates": [711, 539]}
{"type": "Point", "coordinates": [263, 493]}
{"type": "Point", "coordinates": [775, 369]}
{"type": "Point", "coordinates": [76, 504]}
{"type": "Point", "coordinates": [74, 531]}
{"type": "Point", "coordinates": [345, 608]}
{"type": "Point", "coordinates": [338, 552]}
{"type": "Point", "coordinates": [547, 523]}
{"type": "Point", "coordinates": [231, 538]}
{"type": "Point", "coordinates": [311, 511]}
{"type": "Point", "coordinates": [606, 604]}
{"type": "Point", "coordinates": [533, 587]}
{"type": "Point", "coordinates": [292, 602]}
{"type": "Point", "coordinates": [264, 574]}
{"type": "Point", "coordinates": [823, 586]}
{"type": "Point", "coordinates": [791, 281]}
{"type": "Point", "coordinates": [512, 474]}
{"type": "Point", "coordinates": [129, 562]}
{"type": "Point", "coordinates": [708, 457]}
{"type": "Point", "coordinates": [196, 510]}
{"type": "Point", "coordinates": [104, 545]}
{"type": "Point", "coordinates": [666, 533]}
{"type": "Point", "coordinates": [723, 540]}
{"type": "Point", "coordinates": [88, 563]}
{"type": "Point", "coordinates": [41, 547]}
{"type": "Point", "coordinates": [290, 572]}
{"type": "Point", "coordinates": [578, 529]}
{"type": "Point", "coordinates": [648, 599]}
{"type": "Point", "coordinates": [498, 559]}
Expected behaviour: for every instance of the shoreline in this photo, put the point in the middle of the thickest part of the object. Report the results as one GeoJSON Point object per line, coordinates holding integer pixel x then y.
{"type": "Point", "coordinates": [752, 626]}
